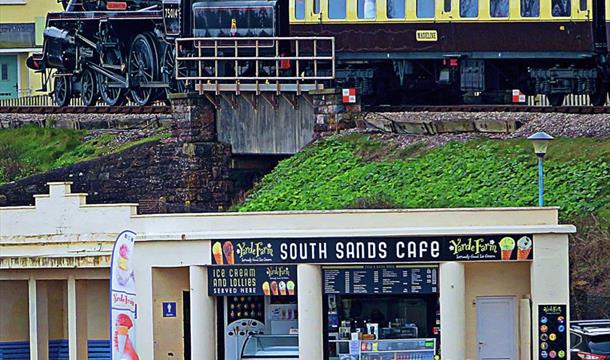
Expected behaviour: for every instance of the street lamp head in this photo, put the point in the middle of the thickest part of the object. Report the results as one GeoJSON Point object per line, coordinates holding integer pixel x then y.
{"type": "Point", "coordinates": [540, 140]}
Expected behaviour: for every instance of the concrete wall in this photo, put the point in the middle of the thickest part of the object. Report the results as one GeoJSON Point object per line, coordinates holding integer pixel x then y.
{"type": "Point", "coordinates": [168, 286]}
{"type": "Point", "coordinates": [14, 311]}
{"type": "Point", "coordinates": [492, 279]}
{"type": "Point", "coordinates": [57, 302]}
{"type": "Point", "coordinates": [98, 319]}
{"type": "Point", "coordinates": [265, 130]}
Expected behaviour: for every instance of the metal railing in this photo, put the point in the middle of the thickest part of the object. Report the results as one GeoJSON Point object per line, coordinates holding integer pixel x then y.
{"type": "Point", "coordinates": [256, 64]}
{"type": "Point", "coordinates": [46, 100]}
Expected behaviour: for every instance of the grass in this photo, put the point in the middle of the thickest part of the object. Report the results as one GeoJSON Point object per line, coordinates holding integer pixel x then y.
{"type": "Point", "coordinates": [30, 150]}
{"type": "Point", "coordinates": [361, 171]}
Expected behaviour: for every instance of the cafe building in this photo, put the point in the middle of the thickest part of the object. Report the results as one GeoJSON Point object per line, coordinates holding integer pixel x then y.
{"type": "Point", "coordinates": [354, 284]}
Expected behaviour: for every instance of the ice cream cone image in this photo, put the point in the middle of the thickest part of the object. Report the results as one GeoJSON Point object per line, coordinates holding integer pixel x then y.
{"type": "Point", "coordinates": [282, 287]}
{"type": "Point", "coordinates": [123, 344]}
{"type": "Point", "coordinates": [266, 289]}
{"type": "Point", "coordinates": [217, 252]}
{"type": "Point", "coordinates": [227, 248]}
{"type": "Point", "coordinates": [290, 287]}
{"type": "Point", "coordinates": [274, 288]}
{"type": "Point", "coordinates": [123, 257]}
{"type": "Point", "coordinates": [524, 247]}
{"type": "Point", "coordinates": [507, 245]}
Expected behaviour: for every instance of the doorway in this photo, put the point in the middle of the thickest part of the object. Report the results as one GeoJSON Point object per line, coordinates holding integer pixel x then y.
{"type": "Point", "coordinates": [8, 76]}
{"type": "Point", "coordinates": [496, 328]}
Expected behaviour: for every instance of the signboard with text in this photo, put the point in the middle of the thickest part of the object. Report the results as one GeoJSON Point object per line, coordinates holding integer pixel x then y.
{"type": "Point", "coordinates": [380, 279]}
{"type": "Point", "coordinates": [552, 330]}
{"type": "Point", "coordinates": [270, 280]}
{"type": "Point", "coordinates": [373, 249]}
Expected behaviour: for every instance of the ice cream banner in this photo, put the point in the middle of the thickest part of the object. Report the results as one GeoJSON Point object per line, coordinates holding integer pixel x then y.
{"type": "Point", "coordinates": [123, 298]}
{"type": "Point", "coordinates": [373, 250]}
{"type": "Point", "coordinates": [271, 280]}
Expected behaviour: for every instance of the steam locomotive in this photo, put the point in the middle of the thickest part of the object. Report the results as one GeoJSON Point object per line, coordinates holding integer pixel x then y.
{"type": "Point", "coordinates": [392, 51]}
{"type": "Point", "coordinates": [115, 50]}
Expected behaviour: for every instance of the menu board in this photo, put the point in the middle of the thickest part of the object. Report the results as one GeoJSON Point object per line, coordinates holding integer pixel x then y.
{"type": "Point", "coordinates": [552, 329]}
{"type": "Point", "coordinates": [270, 280]}
{"type": "Point", "coordinates": [380, 279]}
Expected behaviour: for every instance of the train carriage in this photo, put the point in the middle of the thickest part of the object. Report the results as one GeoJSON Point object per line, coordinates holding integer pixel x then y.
{"type": "Point", "coordinates": [438, 50]}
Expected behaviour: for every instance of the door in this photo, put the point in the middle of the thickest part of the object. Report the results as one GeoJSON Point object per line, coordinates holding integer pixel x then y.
{"type": "Point", "coordinates": [496, 328]}
{"type": "Point", "coordinates": [8, 76]}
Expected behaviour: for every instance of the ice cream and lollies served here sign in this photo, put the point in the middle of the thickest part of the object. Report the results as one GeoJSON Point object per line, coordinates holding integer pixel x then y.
{"type": "Point", "coordinates": [270, 280]}
{"type": "Point", "coordinates": [373, 250]}
{"type": "Point", "coordinates": [123, 299]}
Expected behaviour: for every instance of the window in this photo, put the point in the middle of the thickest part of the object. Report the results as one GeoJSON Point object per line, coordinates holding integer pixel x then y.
{"type": "Point", "coordinates": [316, 6]}
{"type": "Point", "coordinates": [561, 8]}
{"type": "Point", "coordinates": [299, 9]}
{"type": "Point", "coordinates": [425, 8]}
{"type": "Point", "coordinates": [4, 75]}
{"type": "Point", "coordinates": [469, 8]}
{"type": "Point", "coordinates": [447, 6]}
{"type": "Point", "coordinates": [498, 8]}
{"type": "Point", "coordinates": [336, 9]}
{"type": "Point", "coordinates": [583, 5]}
{"type": "Point", "coordinates": [396, 9]}
{"type": "Point", "coordinates": [367, 9]}
{"type": "Point", "coordinates": [530, 8]}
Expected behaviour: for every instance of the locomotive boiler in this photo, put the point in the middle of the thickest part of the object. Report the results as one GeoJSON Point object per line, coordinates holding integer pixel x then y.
{"type": "Point", "coordinates": [114, 51]}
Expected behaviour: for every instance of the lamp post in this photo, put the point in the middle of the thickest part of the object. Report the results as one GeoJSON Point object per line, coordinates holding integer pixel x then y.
{"type": "Point", "coordinates": [540, 140]}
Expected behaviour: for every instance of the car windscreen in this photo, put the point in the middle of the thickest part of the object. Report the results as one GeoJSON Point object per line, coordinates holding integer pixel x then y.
{"type": "Point", "coordinates": [600, 344]}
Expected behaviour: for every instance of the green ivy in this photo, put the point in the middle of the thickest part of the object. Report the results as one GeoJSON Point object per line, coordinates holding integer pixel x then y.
{"type": "Point", "coordinates": [336, 174]}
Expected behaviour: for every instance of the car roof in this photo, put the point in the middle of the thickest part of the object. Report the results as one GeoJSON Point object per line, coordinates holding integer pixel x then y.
{"type": "Point", "coordinates": [591, 327]}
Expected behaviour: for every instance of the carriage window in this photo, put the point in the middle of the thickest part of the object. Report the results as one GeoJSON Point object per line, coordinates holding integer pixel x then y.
{"type": "Point", "coordinates": [316, 6]}
{"type": "Point", "coordinates": [530, 8]}
{"type": "Point", "coordinates": [336, 9]}
{"type": "Point", "coordinates": [396, 9]}
{"type": "Point", "coordinates": [469, 8]}
{"type": "Point", "coordinates": [498, 8]}
{"type": "Point", "coordinates": [583, 5]}
{"type": "Point", "coordinates": [447, 6]}
{"type": "Point", "coordinates": [425, 8]}
{"type": "Point", "coordinates": [299, 9]}
{"type": "Point", "coordinates": [561, 8]}
{"type": "Point", "coordinates": [367, 9]}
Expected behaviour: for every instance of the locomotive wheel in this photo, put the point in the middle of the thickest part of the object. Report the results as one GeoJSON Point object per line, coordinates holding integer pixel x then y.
{"type": "Point", "coordinates": [62, 91]}
{"type": "Point", "coordinates": [168, 71]}
{"type": "Point", "coordinates": [88, 88]}
{"type": "Point", "coordinates": [143, 69]}
{"type": "Point", "coordinates": [113, 96]}
{"type": "Point", "coordinates": [556, 99]}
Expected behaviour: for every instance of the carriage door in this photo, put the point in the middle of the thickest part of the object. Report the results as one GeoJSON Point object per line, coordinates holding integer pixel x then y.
{"type": "Point", "coordinates": [8, 76]}
{"type": "Point", "coordinates": [496, 328]}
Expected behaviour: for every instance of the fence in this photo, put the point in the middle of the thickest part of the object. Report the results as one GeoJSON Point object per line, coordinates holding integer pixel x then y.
{"type": "Point", "coordinates": [46, 100]}
{"type": "Point", "coordinates": [257, 64]}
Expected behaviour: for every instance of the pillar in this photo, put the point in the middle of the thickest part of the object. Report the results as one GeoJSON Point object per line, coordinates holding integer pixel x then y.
{"type": "Point", "coordinates": [72, 331]}
{"type": "Point", "coordinates": [309, 292]}
{"type": "Point", "coordinates": [33, 311]}
{"type": "Point", "coordinates": [453, 310]}
{"type": "Point", "coordinates": [144, 298]}
{"type": "Point", "coordinates": [81, 319]}
{"type": "Point", "coordinates": [194, 118]}
{"type": "Point", "coordinates": [550, 276]}
{"type": "Point", "coordinates": [203, 310]}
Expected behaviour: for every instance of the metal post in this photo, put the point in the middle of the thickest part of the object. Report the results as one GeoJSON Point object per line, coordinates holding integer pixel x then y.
{"type": "Point", "coordinates": [540, 181]}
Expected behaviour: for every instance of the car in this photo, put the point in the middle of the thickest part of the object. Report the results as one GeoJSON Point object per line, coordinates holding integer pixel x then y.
{"type": "Point", "coordinates": [590, 339]}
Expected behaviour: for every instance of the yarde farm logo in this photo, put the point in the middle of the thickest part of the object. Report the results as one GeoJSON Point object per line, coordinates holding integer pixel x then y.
{"type": "Point", "coordinates": [473, 248]}
{"type": "Point", "coordinates": [254, 252]}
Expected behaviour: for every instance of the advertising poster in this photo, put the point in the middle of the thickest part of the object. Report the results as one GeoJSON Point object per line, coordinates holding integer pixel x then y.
{"type": "Point", "coordinates": [553, 327]}
{"type": "Point", "coordinates": [373, 250]}
{"type": "Point", "coordinates": [123, 298]}
{"type": "Point", "coordinates": [271, 280]}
